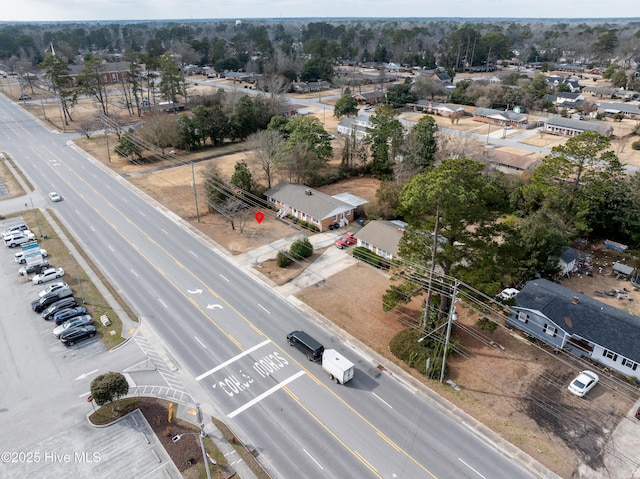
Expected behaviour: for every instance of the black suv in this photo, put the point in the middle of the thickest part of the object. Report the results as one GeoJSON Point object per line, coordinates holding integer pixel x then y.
{"type": "Point", "coordinates": [48, 299]}
{"type": "Point", "coordinates": [73, 335]}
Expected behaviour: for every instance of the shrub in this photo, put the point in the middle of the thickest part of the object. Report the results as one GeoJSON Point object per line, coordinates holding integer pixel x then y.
{"type": "Point", "coordinates": [405, 346]}
{"type": "Point", "coordinates": [487, 325]}
{"type": "Point", "coordinates": [301, 249]}
{"type": "Point", "coordinates": [635, 145]}
{"type": "Point", "coordinates": [369, 257]}
{"type": "Point", "coordinates": [282, 259]}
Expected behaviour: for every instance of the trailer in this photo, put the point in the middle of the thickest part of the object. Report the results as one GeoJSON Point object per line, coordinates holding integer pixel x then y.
{"type": "Point", "coordinates": [339, 368]}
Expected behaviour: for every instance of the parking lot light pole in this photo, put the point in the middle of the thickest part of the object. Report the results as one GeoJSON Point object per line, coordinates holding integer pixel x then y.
{"type": "Point", "coordinates": [75, 269]}
{"type": "Point", "coordinates": [35, 213]}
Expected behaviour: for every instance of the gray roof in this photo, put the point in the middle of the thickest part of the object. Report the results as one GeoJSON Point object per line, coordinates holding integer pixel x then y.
{"type": "Point", "coordinates": [581, 125]}
{"type": "Point", "coordinates": [620, 107]}
{"type": "Point", "coordinates": [350, 199]}
{"type": "Point", "coordinates": [506, 114]}
{"type": "Point", "coordinates": [623, 268]}
{"type": "Point", "coordinates": [382, 234]}
{"type": "Point", "coordinates": [568, 255]}
{"type": "Point", "coordinates": [588, 318]}
{"type": "Point", "coordinates": [317, 204]}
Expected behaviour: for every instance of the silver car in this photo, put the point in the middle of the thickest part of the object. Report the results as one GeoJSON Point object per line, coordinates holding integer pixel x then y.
{"type": "Point", "coordinates": [72, 323]}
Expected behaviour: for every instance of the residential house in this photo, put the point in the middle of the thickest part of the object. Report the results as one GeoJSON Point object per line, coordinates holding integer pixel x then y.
{"type": "Point", "coordinates": [313, 206]}
{"type": "Point", "coordinates": [568, 99]}
{"type": "Point", "coordinates": [312, 86]}
{"type": "Point", "coordinates": [583, 326]}
{"type": "Point", "coordinates": [630, 110]}
{"type": "Point", "coordinates": [110, 73]}
{"type": "Point", "coordinates": [557, 125]}
{"type": "Point", "coordinates": [370, 97]}
{"type": "Point", "coordinates": [360, 125]}
{"type": "Point", "coordinates": [440, 109]}
{"type": "Point", "coordinates": [382, 237]}
{"type": "Point", "coordinates": [500, 117]}
{"type": "Point", "coordinates": [512, 163]}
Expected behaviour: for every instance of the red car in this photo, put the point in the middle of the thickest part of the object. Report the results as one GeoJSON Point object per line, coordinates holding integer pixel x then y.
{"type": "Point", "coordinates": [345, 240]}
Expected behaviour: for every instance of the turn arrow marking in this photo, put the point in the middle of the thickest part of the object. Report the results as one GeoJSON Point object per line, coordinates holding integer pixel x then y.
{"type": "Point", "coordinates": [84, 375]}
{"type": "Point", "coordinates": [214, 306]}
{"type": "Point", "coordinates": [195, 291]}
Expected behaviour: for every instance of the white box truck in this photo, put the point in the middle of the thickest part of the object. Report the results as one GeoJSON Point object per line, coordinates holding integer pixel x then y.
{"type": "Point", "coordinates": [339, 368]}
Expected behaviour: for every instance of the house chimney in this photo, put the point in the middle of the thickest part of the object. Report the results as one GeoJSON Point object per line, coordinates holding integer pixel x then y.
{"type": "Point", "coordinates": [575, 300]}
{"type": "Point", "coordinates": [307, 192]}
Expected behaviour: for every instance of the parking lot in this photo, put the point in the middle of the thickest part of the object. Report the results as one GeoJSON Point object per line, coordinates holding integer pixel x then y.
{"type": "Point", "coordinates": [45, 385]}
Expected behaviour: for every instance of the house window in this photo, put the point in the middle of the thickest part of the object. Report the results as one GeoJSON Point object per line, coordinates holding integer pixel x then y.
{"type": "Point", "coordinates": [523, 317]}
{"type": "Point", "coordinates": [335, 218]}
{"type": "Point", "coordinates": [630, 364]}
{"type": "Point", "coordinates": [610, 354]}
{"type": "Point", "coordinates": [295, 212]}
{"type": "Point", "coordinates": [550, 330]}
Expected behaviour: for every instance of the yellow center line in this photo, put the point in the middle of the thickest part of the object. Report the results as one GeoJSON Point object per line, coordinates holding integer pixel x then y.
{"type": "Point", "coordinates": [247, 321]}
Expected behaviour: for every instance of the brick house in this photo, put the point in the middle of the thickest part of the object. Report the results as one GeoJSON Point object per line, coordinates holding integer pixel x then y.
{"type": "Point", "coordinates": [313, 206]}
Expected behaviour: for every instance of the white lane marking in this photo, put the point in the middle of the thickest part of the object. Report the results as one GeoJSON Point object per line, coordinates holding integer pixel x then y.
{"type": "Point", "coordinates": [162, 303]}
{"type": "Point", "coordinates": [164, 231]}
{"type": "Point", "coordinates": [141, 213]}
{"type": "Point", "coordinates": [92, 228]}
{"type": "Point", "coordinates": [222, 276]}
{"type": "Point", "coordinates": [265, 394]}
{"type": "Point", "coordinates": [134, 273]}
{"type": "Point", "coordinates": [383, 401]}
{"type": "Point", "coordinates": [77, 212]}
{"type": "Point", "coordinates": [111, 248]}
{"type": "Point", "coordinates": [471, 468]}
{"type": "Point", "coordinates": [264, 309]}
{"type": "Point", "coordinates": [235, 358]}
{"type": "Point", "coordinates": [193, 253]}
{"type": "Point", "coordinates": [201, 343]}
{"type": "Point", "coordinates": [83, 395]}
{"type": "Point", "coordinates": [313, 459]}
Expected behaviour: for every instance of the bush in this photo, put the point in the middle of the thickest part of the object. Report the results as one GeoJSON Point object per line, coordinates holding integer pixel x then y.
{"type": "Point", "coordinates": [405, 346]}
{"type": "Point", "coordinates": [635, 145]}
{"type": "Point", "coordinates": [369, 257]}
{"type": "Point", "coordinates": [301, 249]}
{"type": "Point", "coordinates": [487, 325]}
{"type": "Point", "coordinates": [282, 259]}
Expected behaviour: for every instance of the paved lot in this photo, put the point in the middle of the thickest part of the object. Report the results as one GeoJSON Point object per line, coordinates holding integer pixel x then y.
{"type": "Point", "coordinates": [126, 449]}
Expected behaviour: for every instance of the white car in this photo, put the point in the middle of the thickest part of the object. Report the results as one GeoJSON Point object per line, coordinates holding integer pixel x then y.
{"type": "Point", "coordinates": [48, 275]}
{"type": "Point", "coordinates": [508, 294]}
{"type": "Point", "coordinates": [20, 259]}
{"type": "Point", "coordinates": [19, 238]}
{"type": "Point", "coordinates": [14, 229]}
{"type": "Point", "coordinates": [583, 383]}
{"type": "Point", "coordinates": [53, 196]}
{"type": "Point", "coordinates": [53, 287]}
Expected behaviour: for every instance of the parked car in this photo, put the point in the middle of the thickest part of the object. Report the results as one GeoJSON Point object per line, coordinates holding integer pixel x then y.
{"type": "Point", "coordinates": [345, 240]}
{"type": "Point", "coordinates": [20, 259]}
{"type": "Point", "coordinates": [41, 303]}
{"type": "Point", "coordinates": [48, 275]}
{"type": "Point", "coordinates": [72, 323]}
{"type": "Point", "coordinates": [638, 413]}
{"type": "Point", "coordinates": [24, 96]}
{"type": "Point", "coordinates": [14, 229]}
{"type": "Point", "coordinates": [26, 270]}
{"type": "Point", "coordinates": [65, 303]}
{"type": "Point", "coordinates": [19, 238]}
{"type": "Point", "coordinates": [73, 335]}
{"type": "Point", "coordinates": [53, 287]}
{"type": "Point", "coordinates": [583, 383]}
{"type": "Point", "coordinates": [508, 294]}
{"type": "Point", "coordinates": [55, 197]}
{"type": "Point", "coordinates": [68, 313]}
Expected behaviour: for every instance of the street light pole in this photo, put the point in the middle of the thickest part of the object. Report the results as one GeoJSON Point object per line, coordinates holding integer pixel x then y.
{"type": "Point", "coordinates": [35, 213]}
{"type": "Point", "coordinates": [75, 268]}
{"type": "Point", "coordinates": [195, 193]}
{"type": "Point", "coordinates": [201, 435]}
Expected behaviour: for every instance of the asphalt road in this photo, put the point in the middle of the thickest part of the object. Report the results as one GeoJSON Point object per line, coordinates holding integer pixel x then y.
{"type": "Point", "coordinates": [229, 331]}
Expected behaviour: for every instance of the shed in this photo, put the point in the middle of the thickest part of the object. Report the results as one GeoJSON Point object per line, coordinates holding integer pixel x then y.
{"type": "Point", "coordinates": [622, 270]}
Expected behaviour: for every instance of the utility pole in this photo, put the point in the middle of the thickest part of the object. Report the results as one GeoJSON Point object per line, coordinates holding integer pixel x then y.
{"type": "Point", "coordinates": [35, 213]}
{"type": "Point", "coordinates": [452, 317]}
{"type": "Point", "coordinates": [201, 435]}
{"type": "Point", "coordinates": [195, 193]}
{"type": "Point", "coordinates": [75, 268]}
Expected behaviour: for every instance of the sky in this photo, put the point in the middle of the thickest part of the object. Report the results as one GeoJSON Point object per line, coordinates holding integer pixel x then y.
{"type": "Point", "coordinates": [87, 10]}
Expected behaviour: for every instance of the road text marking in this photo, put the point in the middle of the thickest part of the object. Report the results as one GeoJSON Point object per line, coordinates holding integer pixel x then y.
{"type": "Point", "coordinates": [229, 361]}
{"type": "Point", "coordinates": [265, 394]}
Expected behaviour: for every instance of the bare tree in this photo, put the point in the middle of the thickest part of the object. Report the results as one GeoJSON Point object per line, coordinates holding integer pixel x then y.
{"type": "Point", "coordinates": [160, 129]}
{"type": "Point", "coordinates": [266, 147]}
